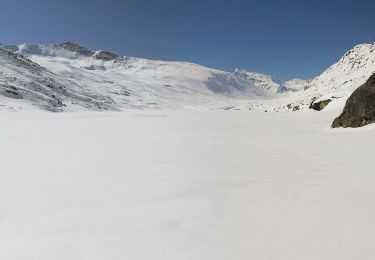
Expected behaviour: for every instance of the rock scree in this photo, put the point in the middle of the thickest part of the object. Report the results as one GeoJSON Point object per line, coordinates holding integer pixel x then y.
{"type": "Point", "coordinates": [359, 109]}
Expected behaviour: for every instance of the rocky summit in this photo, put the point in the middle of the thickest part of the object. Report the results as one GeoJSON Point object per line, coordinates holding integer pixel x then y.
{"type": "Point", "coordinates": [105, 55]}
{"type": "Point", "coordinates": [359, 109]}
{"type": "Point", "coordinates": [74, 47]}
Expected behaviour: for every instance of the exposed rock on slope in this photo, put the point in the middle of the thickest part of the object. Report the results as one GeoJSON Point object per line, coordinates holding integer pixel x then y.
{"type": "Point", "coordinates": [105, 55]}
{"type": "Point", "coordinates": [22, 79]}
{"type": "Point", "coordinates": [359, 109]}
{"type": "Point", "coordinates": [74, 47]}
{"type": "Point", "coordinates": [320, 105]}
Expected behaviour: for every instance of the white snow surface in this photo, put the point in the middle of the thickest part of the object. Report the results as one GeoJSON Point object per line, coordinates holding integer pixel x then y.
{"type": "Point", "coordinates": [188, 185]}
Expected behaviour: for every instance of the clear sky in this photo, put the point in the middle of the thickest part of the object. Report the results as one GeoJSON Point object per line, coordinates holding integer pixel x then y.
{"type": "Point", "coordinates": [283, 38]}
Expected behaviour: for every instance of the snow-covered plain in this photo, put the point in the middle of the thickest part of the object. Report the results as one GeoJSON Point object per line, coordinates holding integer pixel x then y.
{"type": "Point", "coordinates": [185, 185]}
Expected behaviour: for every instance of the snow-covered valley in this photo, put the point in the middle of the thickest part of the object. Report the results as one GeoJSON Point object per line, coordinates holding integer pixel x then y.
{"type": "Point", "coordinates": [185, 185]}
{"type": "Point", "coordinates": [173, 160]}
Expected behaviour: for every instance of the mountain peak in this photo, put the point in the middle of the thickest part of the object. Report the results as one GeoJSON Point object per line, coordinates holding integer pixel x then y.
{"type": "Point", "coordinates": [75, 47]}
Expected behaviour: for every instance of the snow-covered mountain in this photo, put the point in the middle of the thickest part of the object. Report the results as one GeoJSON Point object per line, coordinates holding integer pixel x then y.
{"type": "Point", "coordinates": [335, 83]}
{"type": "Point", "coordinates": [272, 84]}
{"type": "Point", "coordinates": [23, 83]}
{"type": "Point", "coordinates": [262, 81]}
{"type": "Point", "coordinates": [342, 78]}
{"type": "Point", "coordinates": [69, 76]}
{"type": "Point", "coordinates": [128, 82]}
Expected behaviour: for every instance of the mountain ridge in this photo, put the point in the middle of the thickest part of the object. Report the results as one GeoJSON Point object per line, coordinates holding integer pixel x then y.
{"type": "Point", "coordinates": [130, 82]}
{"type": "Point", "coordinates": [112, 81]}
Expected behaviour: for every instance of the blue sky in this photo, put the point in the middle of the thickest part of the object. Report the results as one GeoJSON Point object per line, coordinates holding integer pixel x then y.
{"type": "Point", "coordinates": [283, 38]}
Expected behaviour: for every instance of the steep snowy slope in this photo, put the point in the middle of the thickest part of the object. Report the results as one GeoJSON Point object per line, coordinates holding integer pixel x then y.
{"type": "Point", "coordinates": [24, 83]}
{"type": "Point", "coordinates": [140, 83]}
{"type": "Point", "coordinates": [342, 78]}
{"type": "Point", "coordinates": [262, 81]}
{"type": "Point", "coordinates": [271, 84]}
{"type": "Point", "coordinates": [336, 83]}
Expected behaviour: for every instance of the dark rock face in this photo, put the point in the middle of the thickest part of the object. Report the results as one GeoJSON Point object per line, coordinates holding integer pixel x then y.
{"type": "Point", "coordinates": [10, 91]}
{"type": "Point", "coordinates": [105, 55]}
{"type": "Point", "coordinates": [318, 106]}
{"type": "Point", "coordinates": [71, 46]}
{"type": "Point", "coordinates": [100, 55]}
{"type": "Point", "coordinates": [359, 109]}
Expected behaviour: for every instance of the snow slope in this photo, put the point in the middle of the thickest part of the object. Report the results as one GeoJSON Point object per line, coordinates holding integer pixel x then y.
{"type": "Point", "coordinates": [263, 81]}
{"type": "Point", "coordinates": [336, 83]}
{"type": "Point", "coordinates": [24, 83]}
{"type": "Point", "coordinates": [351, 71]}
{"type": "Point", "coordinates": [140, 83]}
{"type": "Point", "coordinates": [110, 81]}
{"type": "Point", "coordinates": [272, 84]}
{"type": "Point", "coordinates": [185, 185]}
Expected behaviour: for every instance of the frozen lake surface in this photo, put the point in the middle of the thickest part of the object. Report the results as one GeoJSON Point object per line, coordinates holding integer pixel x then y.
{"type": "Point", "coordinates": [185, 185]}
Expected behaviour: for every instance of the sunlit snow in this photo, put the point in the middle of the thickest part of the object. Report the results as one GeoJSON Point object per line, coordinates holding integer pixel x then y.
{"type": "Point", "coordinates": [185, 185]}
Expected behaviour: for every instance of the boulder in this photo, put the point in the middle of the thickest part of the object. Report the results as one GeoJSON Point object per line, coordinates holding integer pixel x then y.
{"type": "Point", "coordinates": [320, 105]}
{"type": "Point", "coordinates": [359, 109]}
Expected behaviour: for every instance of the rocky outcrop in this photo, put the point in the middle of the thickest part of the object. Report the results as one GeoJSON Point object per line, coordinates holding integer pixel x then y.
{"type": "Point", "coordinates": [20, 78]}
{"type": "Point", "coordinates": [320, 105]}
{"type": "Point", "coordinates": [359, 109]}
{"type": "Point", "coordinates": [71, 46]}
{"type": "Point", "coordinates": [105, 55]}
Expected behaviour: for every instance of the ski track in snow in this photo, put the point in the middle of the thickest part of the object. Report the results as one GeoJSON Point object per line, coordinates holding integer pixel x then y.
{"type": "Point", "coordinates": [185, 185]}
